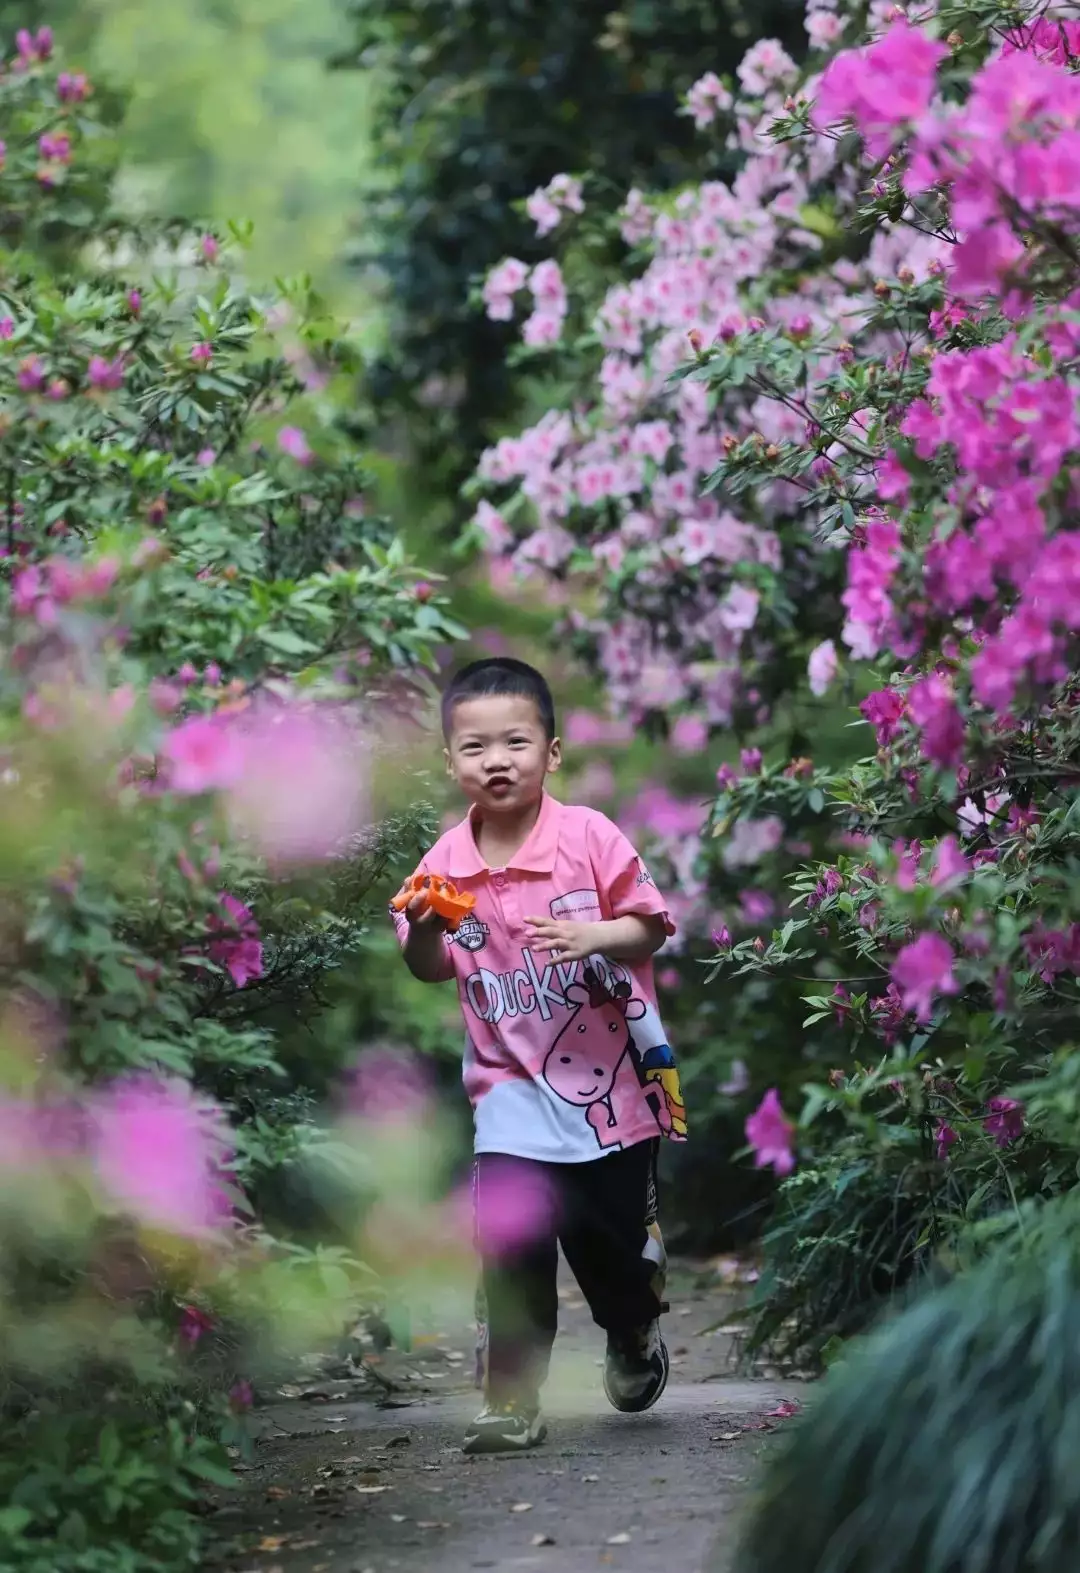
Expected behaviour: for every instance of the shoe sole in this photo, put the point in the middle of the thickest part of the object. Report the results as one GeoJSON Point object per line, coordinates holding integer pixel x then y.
{"type": "Point", "coordinates": [484, 1442]}
{"type": "Point", "coordinates": [638, 1406]}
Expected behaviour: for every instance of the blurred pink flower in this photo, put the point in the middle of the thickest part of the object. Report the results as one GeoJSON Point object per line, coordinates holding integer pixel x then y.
{"type": "Point", "coordinates": [204, 754]}
{"type": "Point", "coordinates": [292, 441]}
{"type": "Point", "coordinates": [822, 667]}
{"type": "Point", "coordinates": [689, 735]}
{"type": "Point", "coordinates": [241, 1397]}
{"type": "Point", "coordinates": [516, 1205]}
{"type": "Point", "coordinates": [72, 87]}
{"type": "Point", "coordinates": [388, 1085]}
{"type": "Point", "coordinates": [944, 1138]}
{"type": "Point", "coordinates": [160, 1151]}
{"type": "Point", "coordinates": [108, 375]}
{"type": "Point", "coordinates": [302, 789]}
{"type": "Point", "coordinates": [1005, 1120]}
{"type": "Point", "coordinates": [210, 248]}
{"type": "Point", "coordinates": [193, 1324]}
{"type": "Point", "coordinates": [202, 354]}
{"type": "Point", "coordinates": [769, 1132]}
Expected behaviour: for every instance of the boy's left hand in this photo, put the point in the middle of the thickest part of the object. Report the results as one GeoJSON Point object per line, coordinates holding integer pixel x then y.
{"type": "Point", "coordinates": [563, 940]}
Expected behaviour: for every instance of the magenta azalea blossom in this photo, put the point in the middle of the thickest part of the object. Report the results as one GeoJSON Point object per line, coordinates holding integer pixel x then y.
{"type": "Point", "coordinates": [204, 754]}
{"type": "Point", "coordinates": [944, 1138]}
{"type": "Point", "coordinates": [1005, 1120]}
{"type": "Point", "coordinates": [236, 945]}
{"type": "Point", "coordinates": [769, 1132]}
{"type": "Point", "coordinates": [923, 970]}
{"type": "Point", "coordinates": [160, 1152]}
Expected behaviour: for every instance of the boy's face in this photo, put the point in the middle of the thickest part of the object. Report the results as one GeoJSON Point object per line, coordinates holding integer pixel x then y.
{"type": "Point", "coordinates": [499, 754]}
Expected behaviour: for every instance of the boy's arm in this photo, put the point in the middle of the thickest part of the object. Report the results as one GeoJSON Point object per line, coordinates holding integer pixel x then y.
{"type": "Point", "coordinates": [639, 922]}
{"type": "Point", "coordinates": [422, 936]}
{"type": "Point", "coordinates": [635, 937]}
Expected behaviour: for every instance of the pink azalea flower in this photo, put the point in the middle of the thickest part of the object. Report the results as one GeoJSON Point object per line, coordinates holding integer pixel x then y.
{"type": "Point", "coordinates": [210, 248]}
{"type": "Point", "coordinates": [72, 87]}
{"type": "Point", "coordinates": [204, 754]}
{"type": "Point", "coordinates": [159, 1152]}
{"type": "Point", "coordinates": [822, 667]}
{"type": "Point", "coordinates": [950, 864]}
{"type": "Point", "coordinates": [769, 1133]}
{"type": "Point", "coordinates": [302, 790]}
{"type": "Point", "coordinates": [31, 377]}
{"type": "Point", "coordinates": [923, 970]}
{"type": "Point", "coordinates": [933, 709]}
{"type": "Point", "coordinates": [944, 1138]}
{"type": "Point", "coordinates": [107, 375]}
{"type": "Point", "coordinates": [1005, 1120]}
{"type": "Point", "coordinates": [202, 354]}
{"type": "Point", "coordinates": [193, 1324]}
{"type": "Point", "coordinates": [292, 441]}
{"type": "Point", "coordinates": [236, 945]}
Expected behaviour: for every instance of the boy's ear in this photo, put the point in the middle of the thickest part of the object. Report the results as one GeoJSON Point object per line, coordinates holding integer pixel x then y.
{"type": "Point", "coordinates": [554, 755]}
{"type": "Point", "coordinates": [448, 762]}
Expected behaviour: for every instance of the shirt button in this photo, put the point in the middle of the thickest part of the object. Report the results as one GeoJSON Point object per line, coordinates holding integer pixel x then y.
{"type": "Point", "coordinates": [500, 880]}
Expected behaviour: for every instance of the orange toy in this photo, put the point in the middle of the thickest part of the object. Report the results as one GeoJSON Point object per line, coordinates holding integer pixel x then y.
{"type": "Point", "coordinates": [444, 898]}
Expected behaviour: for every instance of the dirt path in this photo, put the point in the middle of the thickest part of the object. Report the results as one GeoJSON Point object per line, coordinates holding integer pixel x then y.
{"type": "Point", "coordinates": [341, 1486]}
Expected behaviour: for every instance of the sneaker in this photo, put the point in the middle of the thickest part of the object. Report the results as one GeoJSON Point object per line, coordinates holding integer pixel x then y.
{"type": "Point", "coordinates": [505, 1428]}
{"type": "Point", "coordinates": [636, 1369]}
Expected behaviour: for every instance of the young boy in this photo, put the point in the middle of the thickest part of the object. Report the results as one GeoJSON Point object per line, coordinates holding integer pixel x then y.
{"type": "Point", "coordinates": [566, 1064]}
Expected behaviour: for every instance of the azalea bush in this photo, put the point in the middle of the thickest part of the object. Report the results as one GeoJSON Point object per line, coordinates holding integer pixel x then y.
{"type": "Point", "coordinates": [211, 655]}
{"type": "Point", "coordinates": [811, 488]}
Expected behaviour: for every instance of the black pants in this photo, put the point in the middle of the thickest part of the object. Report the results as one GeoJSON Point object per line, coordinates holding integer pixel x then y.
{"type": "Point", "coordinates": [600, 1213]}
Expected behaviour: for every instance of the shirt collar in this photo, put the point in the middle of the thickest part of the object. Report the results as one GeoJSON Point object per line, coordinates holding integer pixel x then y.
{"type": "Point", "coordinates": [536, 856]}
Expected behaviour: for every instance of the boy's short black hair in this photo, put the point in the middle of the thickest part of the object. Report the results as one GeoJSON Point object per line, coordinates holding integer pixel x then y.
{"type": "Point", "coordinates": [499, 677]}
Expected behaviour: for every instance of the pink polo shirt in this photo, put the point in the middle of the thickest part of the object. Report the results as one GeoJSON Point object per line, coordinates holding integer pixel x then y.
{"type": "Point", "coordinates": [563, 1062]}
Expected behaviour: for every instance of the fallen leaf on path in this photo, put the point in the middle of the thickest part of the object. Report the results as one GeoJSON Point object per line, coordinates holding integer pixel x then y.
{"type": "Point", "coordinates": [305, 1545]}
{"type": "Point", "coordinates": [372, 1491]}
{"type": "Point", "coordinates": [271, 1543]}
{"type": "Point", "coordinates": [521, 1507]}
{"type": "Point", "coordinates": [277, 1493]}
{"type": "Point", "coordinates": [726, 1436]}
{"type": "Point", "coordinates": [784, 1409]}
{"type": "Point", "coordinates": [590, 1480]}
{"type": "Point", "coordinates": [403, 1440]}
{"type": "Point", "coordinates": [431, 1523]}
{"type": "Point", "coordinates": [398, 1518]}
{"type": "Point", "coordinates": [619, 1540]}
{"type": "Point", "coordinates": [541, 1540]}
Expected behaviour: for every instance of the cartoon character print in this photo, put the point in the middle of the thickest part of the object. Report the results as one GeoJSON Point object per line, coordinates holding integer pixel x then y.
{"type": "Point", "coordinates": [593, 1052]}
{"type": "Point", "coordinates": [663, 1089]}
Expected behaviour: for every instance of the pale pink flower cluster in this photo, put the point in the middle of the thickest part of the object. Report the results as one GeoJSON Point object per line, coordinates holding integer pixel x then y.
{"type": "Point", "coordinates": [624, 474]}
{"type": "Point", "coordinates": [547, 205]}
{"type": "Point", "coordinates": [708, 98]}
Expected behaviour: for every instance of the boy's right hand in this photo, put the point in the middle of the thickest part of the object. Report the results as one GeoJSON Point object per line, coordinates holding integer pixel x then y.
{"type": "Point", "coordinates": [419, 912]}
